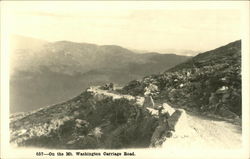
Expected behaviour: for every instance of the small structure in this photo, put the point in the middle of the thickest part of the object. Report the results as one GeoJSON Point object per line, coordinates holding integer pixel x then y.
{"type": "Point", "coordinates": [108, 86]}
{"type": "Point", "coordinates": [111, 87]}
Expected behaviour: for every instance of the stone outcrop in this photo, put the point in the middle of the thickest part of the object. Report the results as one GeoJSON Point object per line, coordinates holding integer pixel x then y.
{"type": "Point", "coordinates": [167, 109]}
{"type": "Point", "coordinates": [171, 123]}
{"type": "Point", "coordinates": [178, 122]}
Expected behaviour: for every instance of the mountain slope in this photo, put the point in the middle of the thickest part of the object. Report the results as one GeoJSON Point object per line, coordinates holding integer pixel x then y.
{"type": "Point", "coordinates": [105, 119]}
{"type": "Point", "coordinates": [102, 117]}
{"type": "Point", "coordinates": [46, 73]}
{"type": "Point", "coordinates": [94, 119]}
{"type": "Point", "coordinates": [209, 82]}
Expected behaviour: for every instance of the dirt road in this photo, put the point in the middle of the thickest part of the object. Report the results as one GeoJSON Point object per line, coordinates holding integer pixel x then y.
{"type": "Point", "coordinates": [210, 133]}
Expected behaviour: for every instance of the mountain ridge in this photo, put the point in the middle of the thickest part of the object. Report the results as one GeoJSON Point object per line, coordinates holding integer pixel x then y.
{"type": "Point", "coordinates": [63, 69]}
{"type": "Point", "coordinates": [209, 82]}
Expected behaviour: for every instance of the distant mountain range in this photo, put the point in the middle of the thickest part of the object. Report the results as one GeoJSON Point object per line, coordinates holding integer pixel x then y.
{"type": "Point", "coordinates": [44, 73]}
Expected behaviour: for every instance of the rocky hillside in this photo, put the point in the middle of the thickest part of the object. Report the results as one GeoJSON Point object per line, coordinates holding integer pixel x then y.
{"type": "Point", "coordinates": [164, 110]}
{"type": "Point", "coordinates": [95, 119]}
{"type": "Point", "coordinates": [208, 83]}
{"type": "Point", "coordinates": [51, 72]}
{"type": "Point", "coordinates": [105, 119]}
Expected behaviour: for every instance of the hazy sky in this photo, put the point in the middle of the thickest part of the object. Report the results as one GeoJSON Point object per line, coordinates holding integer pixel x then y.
{"type": "Point", "coordinates": [152, 26]}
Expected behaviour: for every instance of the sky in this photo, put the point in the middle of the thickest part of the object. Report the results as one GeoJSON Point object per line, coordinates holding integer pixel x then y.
{"type": "Point", "coordinates": [150, 26]}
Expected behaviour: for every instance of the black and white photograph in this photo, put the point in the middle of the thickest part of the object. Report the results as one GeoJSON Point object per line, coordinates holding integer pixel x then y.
{"type": "Point", "coordinates": [124, 79]}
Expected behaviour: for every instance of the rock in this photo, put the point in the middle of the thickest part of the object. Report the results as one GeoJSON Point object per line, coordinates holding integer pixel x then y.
{"type": "Point", "coordinates": [18, 123]}
{"type": "Point", "coordinates": [166, 109]}
{"type": "Point", "coordinates": [76, 113]}
{"type": "Point", "coordinates": [169, 134]}
{"type": "Point", "coordinates": [99, 97]}
{"type": "Point", "coordinates": [81, 123]}
{"type": "Point", "coordinates": [139, 100]}
{"type": "Point", "coordinates": [225, 97]}
{"type": "Point", "coordinates": [158, 134]}
{"type": "Point", "coordinates": [181, 85]}
{"type": "Point", "coordinates": [178, 121]}
{"type": "Point", "coordinates": [163, 129]}
{"type": "Point", "coordinates": [224, 112]}
{"type": "Point", "coordinates": [149, 102]}
{"type": "Point", "coordinates": [22, 131]}
{"type": "Point", "coordinates": [222, 89]}
{"type": "Point", "coordinates": [213, 99]}
{"type": "Point", "coordinates": [71, 142]}
{"type": "Point", "coordinates": [151, 89]}
{"type": "Point", "coordinates": [26, 122]}
{"type": "Point", "coordinates": [153, 111]}
{"type": "Point", "coordinates": [223, 79]}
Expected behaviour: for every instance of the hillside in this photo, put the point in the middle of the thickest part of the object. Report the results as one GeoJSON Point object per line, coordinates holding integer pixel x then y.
{"type": "Point", "coordinates": [195, 104]}
{"type": "Point", "coordinates": [72, 58]}
{"type": "Point", "coordinates": [95, 119]}
{"type": "Point", "coordinates": [45, 73]}
{"type": "Point", "coordinates": [209, 83]}
{"type": "Point", "coordinates": [104, 119]}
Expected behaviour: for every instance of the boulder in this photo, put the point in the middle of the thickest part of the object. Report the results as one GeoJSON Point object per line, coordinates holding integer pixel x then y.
{"type": "Point", "coordinates": [224, 112]}
{"type": "Point", "coordinates": [153, 111]}
{"type": "Point", "coordinates": [168, 110]}
{"type": "Point", "coordinates": [158, 134]}
{"type": "Point", "coordinates": [213, 99]}
{"type": "Point", "coordinates": [139, 101]}
{"type": "Point", "coordinates": [99, 97]}
{"type": "Point", "coordinates": [151, 89]}
{"type": "Point", "coordinates": [178, 121]}
{"type": "Point", "coordinates": [222, 89]}
{"type": "Point", "coordinates": [225, 97]}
